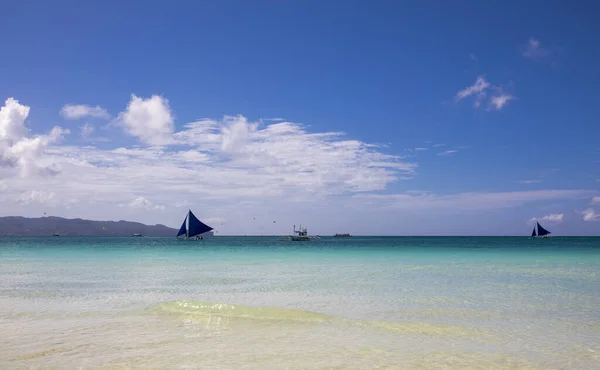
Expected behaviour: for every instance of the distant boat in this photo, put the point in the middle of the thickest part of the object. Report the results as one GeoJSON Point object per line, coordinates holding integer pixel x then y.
{"type": "Point", "coordinates": [56, 234]}
{"type": "Point", "coordinates": [302, 234]}
{"type": "Point", "coordinates": [192, 227]}
{"type": "Point", "coordinates": [137, 234]}
{"type": "Point", "coordinates": [343, 235]}
{"type": "Point", "coordinates": [540, 232]}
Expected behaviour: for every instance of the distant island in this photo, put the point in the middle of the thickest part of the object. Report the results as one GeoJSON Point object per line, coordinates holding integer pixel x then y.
{"type": "Point", "coordinates": [48, 226]}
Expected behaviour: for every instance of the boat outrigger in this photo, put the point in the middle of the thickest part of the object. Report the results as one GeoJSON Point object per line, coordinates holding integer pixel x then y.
{"type": "Point", "coordinates": [540, 232]}
{"type": "Point", "coordinates": [343, 235]}
{"type": "Point", "coordinates": [192, 227]}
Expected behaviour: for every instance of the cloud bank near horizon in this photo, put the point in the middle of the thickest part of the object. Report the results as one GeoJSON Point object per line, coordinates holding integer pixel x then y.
{"type": "Point", "coordinates": [229, 170]}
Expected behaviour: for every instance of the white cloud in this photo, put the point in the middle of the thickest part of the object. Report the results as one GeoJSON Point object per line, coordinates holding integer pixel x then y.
{"type": "Point", "coordinates": [552, 218]}
{"type": "Point", "coordinates": [79, 111]}
{"type": "Point", "coordinates": [150, 120]}
{"type": "Point", "coordinates": [214, 220]}
{"type": "Point", "coordinates": [12, 121]}
{"type": "Point", "coordinates": [530, 181]}
{"type": "Point", "coordinates": [590, 215]}
{"type": "Point", "coordinates": [421, 149]}
{"type": "Point", "coordinates": [499, 101]}
{"type": "Point", "coordinates": [17, 150]}
{"type": "Point", "coordinates": [534, 49]}
{"type": "Point", "coordinates": [248, 173]}
{"type": "Point", "coordinates": [471, 201]}
{"type": "Point", "coordinates": [86, 130]}
{"type": "Point", "coordinates": [479, 91]}
{"type": "Point", "coordinates": [216, 167]}
{"type": "Point", "coordinates": [448, 152]}
{"type": "Point", "coordinates": [595, 200]}
{"type": "Point", "coordinates": [235, 133]}
{"type": "Point", "coordinates": [37, 196]}
{"type": "Point", "coordinates": [141, 202]}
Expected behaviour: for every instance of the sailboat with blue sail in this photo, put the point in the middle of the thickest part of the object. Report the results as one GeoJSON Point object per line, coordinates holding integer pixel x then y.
{"type": "Point", "coordinates": [192, 227]}
{"type": "Point", "coordinates": [539, 231]}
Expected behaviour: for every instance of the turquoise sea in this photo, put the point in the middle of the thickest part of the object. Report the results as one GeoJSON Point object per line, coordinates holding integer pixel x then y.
{"type": "Point", "coordinates": [265, 303]}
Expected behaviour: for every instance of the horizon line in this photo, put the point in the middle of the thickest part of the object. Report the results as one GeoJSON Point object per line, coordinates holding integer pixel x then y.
{"type": "Point", "coordinates": [326, 236]}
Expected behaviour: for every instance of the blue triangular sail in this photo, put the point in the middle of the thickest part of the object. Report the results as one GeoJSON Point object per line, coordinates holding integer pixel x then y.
{"type": "Point", "coordinates": [197, 227]}
{"type": "Point", "coordinates": [182, 229]}
{"type": "Point", "coordinates": [541, 230]}
{"type": "Point", "coordinates": [533, 232]}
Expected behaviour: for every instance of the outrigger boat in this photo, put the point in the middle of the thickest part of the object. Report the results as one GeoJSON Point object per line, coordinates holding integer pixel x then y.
{"type": "Point", "coordinates": [302, 234]}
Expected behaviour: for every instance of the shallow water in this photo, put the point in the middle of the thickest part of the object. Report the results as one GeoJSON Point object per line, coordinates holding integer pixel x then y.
{"type": "Point", "coordinates": [260, 303]}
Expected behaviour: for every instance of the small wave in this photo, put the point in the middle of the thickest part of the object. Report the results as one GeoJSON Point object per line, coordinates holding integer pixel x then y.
{"type": "Point", "coordinates": [466, 360]}
{"type": "Point", "coordinates": [423, 328]}
{"type": "Point", "coordinates": [202, 311]}
{"type": "Point", "coordinates": [49, 352]}
{"type": "Point", "coordinates": [205, 312]}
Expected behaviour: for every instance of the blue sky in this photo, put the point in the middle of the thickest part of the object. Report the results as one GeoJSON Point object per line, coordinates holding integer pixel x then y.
{"type": "Point", "coordinates": [463, 118]}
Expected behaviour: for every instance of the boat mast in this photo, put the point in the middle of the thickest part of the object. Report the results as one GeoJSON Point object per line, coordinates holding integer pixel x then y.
{"type": "Point", "coordinates": [187, 227]}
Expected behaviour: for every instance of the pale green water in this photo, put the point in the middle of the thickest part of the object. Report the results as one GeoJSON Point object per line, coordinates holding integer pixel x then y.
{"type": "Point", "coordinates": [261, 303]}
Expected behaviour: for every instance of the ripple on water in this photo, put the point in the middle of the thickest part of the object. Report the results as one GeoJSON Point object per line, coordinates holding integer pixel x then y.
{"type": "Point", "coordinates": [202, 311]}
{"type": "Point", "coordinates": [196, 311]}
{"type": "Point", "coordinates": [468, 361]}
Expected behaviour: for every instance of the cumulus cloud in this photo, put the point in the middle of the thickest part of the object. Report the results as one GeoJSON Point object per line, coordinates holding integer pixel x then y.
{"type": "Point", "coordinates": [250, 173]}
{"type": "Point", "coordinates": [552, 218]}
{"type": "Point", "coordinates": [235, 133]}
{"type": "Point", "coordinates": [75, 112]}
{"type": "Point", "coordinates": [479, 91]}
{"type": "Point", "coordinates": [141, 202]}
{"type": "Point", "coordinates": [86, 130]}
{"type": "Point", "coordinates": [590, 215]}
{"type": "Point", "coordinates": [499, 101]}
{"type": "Point", "coordinates": [223, 164]}
{"type": "Point", "coordinates": [150, 120]}
{"type": "Point", "coordinates": [17, 150]}
{"type": "Point", "coordinates": [12, 121]}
